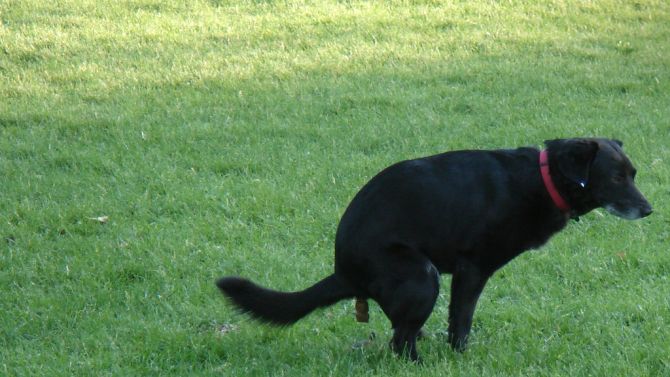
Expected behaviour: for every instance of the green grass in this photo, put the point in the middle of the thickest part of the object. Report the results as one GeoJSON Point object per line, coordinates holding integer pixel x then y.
{"type": "Point", "coordinates": [227, 137]}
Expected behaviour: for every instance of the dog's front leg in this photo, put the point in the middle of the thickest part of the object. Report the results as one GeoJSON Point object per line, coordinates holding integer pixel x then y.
{"type": "Point", "coordinates": [466, 285]}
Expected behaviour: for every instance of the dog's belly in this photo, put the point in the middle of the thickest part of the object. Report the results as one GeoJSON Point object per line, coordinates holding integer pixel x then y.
{"type": "Point", "coordinates": [489, 243]}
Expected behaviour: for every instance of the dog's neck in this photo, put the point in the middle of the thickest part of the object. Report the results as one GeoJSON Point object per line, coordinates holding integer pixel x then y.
{"type": "Point", "coordinates": [556, 196]}
{"type": "Point", "coordinates": [577, 199]}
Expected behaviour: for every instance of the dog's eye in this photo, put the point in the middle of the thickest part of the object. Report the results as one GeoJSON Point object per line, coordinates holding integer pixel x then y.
{"type": "Point", "coordinates": [619, 178]}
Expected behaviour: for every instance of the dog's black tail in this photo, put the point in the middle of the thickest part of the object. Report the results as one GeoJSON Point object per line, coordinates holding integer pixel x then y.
{"type": "Point", "coordinates": [283, 308]}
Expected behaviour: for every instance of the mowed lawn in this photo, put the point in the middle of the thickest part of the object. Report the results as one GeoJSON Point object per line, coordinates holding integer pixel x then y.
{"type": "Point", "coordinates": [149, 147]}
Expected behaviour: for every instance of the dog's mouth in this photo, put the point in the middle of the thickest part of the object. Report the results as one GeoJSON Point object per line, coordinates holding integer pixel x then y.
{"type": "Point", "coordinates": [629, 212]}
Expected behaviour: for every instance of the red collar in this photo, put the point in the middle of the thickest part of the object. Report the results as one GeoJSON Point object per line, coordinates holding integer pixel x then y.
{"type": "Point", "coordinates": [549, 183]}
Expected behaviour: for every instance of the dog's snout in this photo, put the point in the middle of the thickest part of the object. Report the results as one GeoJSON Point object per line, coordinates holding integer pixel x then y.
{"type": "Point", "coordinates": [646, 210]}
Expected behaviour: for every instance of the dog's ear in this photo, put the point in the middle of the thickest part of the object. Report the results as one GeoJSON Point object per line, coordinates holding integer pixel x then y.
{"type": "Point", "coordinates": [573, 158]}
{"type": "Point", "coordinates": [617, 142]}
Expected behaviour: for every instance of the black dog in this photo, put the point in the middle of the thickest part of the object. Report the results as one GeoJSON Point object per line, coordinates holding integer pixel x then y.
{"type": "Point", "coordinates": [466, 213]}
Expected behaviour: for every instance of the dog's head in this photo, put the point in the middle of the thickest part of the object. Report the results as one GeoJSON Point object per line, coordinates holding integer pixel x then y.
{"type": "Point", "coordinates": [597, 173]}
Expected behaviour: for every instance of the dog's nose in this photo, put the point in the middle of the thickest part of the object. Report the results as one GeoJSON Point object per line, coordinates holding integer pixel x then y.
{"type": "Point", "coordinates": [646, 211]}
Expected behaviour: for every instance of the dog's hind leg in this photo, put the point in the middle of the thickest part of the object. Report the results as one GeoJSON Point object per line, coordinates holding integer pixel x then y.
{"type": "Point", "coordinates": [408, 291]}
